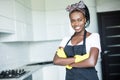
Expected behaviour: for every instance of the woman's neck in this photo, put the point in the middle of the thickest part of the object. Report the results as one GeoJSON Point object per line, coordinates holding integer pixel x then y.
{"type": "Point", "coordinates": [81, 33]}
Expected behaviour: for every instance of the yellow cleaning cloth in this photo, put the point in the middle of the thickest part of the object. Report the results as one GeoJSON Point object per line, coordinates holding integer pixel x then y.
{"type": "Point", "coordinates": [79, 58]}
{"type": "Point", "coordinates": [61, 53]}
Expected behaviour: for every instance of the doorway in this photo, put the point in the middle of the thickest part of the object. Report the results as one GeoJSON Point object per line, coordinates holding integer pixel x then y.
{"type": "Point", "coordinates": [109, 30]}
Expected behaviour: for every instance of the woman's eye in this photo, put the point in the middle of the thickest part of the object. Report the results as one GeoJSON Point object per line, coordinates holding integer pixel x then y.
{"type": "Point", "coordinates": [79, 19]}
{"type": "Point", "coordinates": [72, 21]}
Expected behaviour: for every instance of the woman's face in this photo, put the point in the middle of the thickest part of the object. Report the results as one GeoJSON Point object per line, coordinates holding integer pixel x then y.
{"type": "Point", "coordinates": [78, 21]}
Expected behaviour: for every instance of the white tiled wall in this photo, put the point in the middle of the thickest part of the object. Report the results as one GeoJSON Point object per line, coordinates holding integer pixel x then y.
{"type": "Point", "coordinates": [13, 55]}
{"type": "Point", "coordinates": [43, 51]}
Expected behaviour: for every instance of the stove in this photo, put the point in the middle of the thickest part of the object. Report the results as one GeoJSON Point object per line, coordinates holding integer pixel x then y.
{"type": "Point", "coordinates": [12, 73]}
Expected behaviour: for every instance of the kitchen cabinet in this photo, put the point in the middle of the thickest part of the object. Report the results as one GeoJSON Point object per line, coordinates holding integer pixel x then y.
{"type": "Point", "coordinates": [39, 25]}
{"type": "Point", "coordinates": [7, 16]}
{"type": "Point", "coordinates": [49, 72]}
{"type": "Point", "coordinates": [6, 25]}
{"type": "Point", "coordinates": [28, 78]}
{"type": "Point", "coordinates": [57, 24]}
{"type": "Point", "coordinates": [18, 21]}
{"type": "Point", "coordinates": [37, 75]}
{"type": "Point", "coordinates": [57, 19]}
{"type": "Point", "coordinates": [38, 20]}
{"type": "Point", "coordinates": [49, 22]}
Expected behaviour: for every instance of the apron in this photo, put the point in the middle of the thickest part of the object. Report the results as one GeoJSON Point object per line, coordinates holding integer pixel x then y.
{"type": "Point", "coordinates": [79, 73]}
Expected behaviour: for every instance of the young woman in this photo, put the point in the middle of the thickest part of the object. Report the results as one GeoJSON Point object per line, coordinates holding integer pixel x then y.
{"type": "Point", "coordinates": [79, 53]}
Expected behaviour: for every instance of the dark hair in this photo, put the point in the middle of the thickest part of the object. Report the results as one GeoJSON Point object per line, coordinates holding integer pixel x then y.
{"type": "Point", "coordinates": [85, 12]}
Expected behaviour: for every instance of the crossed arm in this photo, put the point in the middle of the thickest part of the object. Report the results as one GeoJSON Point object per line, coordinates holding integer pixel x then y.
{"type": "Point", "coordinates": [89, 62]}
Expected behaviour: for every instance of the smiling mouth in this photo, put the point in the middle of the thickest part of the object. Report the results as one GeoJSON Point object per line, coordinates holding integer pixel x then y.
{"type": "Point", "coordinates": [77, 28]}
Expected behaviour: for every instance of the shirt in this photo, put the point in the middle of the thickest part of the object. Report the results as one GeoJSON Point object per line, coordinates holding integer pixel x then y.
{"type": "Point", "coordinates": [91, 41]}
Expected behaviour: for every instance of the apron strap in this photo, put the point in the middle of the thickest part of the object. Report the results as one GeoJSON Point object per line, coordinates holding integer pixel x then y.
{"type": "Point", "coordinates": [84, 43]}
{"type": "Point", "coordinates": [70, 39]}
{"type": "Point", "coordinates": [84, 40]}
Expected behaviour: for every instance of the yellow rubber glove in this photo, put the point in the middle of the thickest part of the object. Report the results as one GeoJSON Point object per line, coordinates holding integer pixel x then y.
{"type": "Point", "coordinates": [79, 58]}
{"type": "Point", "coordinates": [68, 67]}
{"type": "Point", "coordinates": [61, 53]}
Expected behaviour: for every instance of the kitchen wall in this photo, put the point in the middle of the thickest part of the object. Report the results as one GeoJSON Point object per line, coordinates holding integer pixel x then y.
{"type": "Point", "coordinates": [43, 51]}
{"type": "Point", "coordinates": [15, 54]}
{"type": "Point", "coordinates": [107, 5]}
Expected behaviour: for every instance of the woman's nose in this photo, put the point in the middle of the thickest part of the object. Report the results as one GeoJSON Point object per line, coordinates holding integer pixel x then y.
{"type": "Point", "coordinates": [76, 23]}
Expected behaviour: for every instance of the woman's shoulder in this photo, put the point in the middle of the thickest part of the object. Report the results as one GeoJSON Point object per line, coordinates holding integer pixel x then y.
{"type": "Point", "coordinates": [93, 35]}
{"type": "Point", "coordinates": [64, 41]}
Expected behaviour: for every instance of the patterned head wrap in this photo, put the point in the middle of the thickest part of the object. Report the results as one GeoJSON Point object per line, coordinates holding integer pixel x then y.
{"type": "Point", "coordinates": [78, 6]}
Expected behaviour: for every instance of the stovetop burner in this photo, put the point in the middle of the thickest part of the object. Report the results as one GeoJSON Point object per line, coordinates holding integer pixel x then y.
{"type": "Point", "coordinates": [12, 73]}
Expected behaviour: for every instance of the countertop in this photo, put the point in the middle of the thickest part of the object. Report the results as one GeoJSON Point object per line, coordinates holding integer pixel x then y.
{"type": "Point", "coordinates": [30, 69]}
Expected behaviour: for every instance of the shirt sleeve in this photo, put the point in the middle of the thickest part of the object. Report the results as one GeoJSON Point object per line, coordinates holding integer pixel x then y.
{"type": "Point", "coordinates": [64, 41]}
{"type": "Point", "coordinates": [96, 41]}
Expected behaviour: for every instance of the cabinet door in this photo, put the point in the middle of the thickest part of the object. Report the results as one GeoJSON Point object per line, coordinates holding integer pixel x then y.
{"type": "Point", "coordinates": [7, 8]}
{"type": "Point", "coordinates": [57, 24]}
{"type": "Point", "coordinates": [6, 25]}
{"type": "Point", "coordinates": [52, 71]}
{"type": "Point", "coordinates": [19, 12]}
{"type": "Point", "coordinates": [39, 26]}
{"type": "Point", "coordinates": [23, 32]}
{"type": "Point", "coordinates": [37, 75]}
{"type": "Point", "coordinates": [21, 23]}
{"type": "Point", "coordinates": [49, 72]}
{"type": "Point", "coordinates": [7, 16]}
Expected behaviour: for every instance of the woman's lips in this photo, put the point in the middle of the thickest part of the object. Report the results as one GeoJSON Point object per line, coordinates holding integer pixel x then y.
{"type": "Point", "coordinates": [77, 28]}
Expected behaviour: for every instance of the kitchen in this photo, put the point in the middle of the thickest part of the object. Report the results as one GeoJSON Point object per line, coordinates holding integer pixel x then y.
{"type": "Point", "coordinates": [31, 30]}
